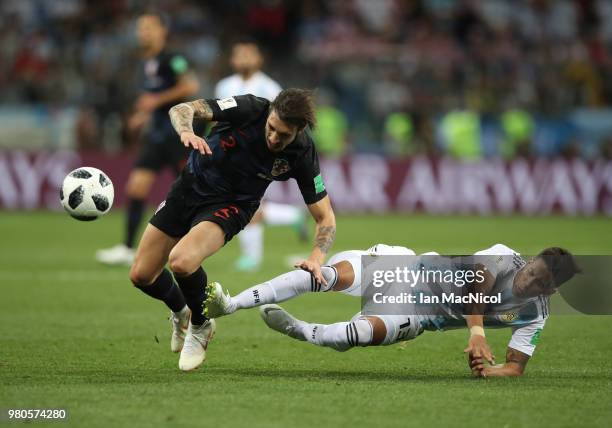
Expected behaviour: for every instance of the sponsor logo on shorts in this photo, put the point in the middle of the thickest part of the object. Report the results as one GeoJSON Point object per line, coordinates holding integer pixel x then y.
{"type": "Point", "coordinates": [256, 296]}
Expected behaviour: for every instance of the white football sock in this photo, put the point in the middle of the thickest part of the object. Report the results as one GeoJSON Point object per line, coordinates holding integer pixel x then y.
{"type": "Point", "coordinates": [340, 336]}
{"type": "Point", "coordinates": [284, 287]}
{"type": "Point", "coordinates": [251, 241]}
{"type": "Point", "coordinates": [280, 214]}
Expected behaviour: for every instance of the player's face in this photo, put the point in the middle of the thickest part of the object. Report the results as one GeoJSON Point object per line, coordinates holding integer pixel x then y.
{"type": "Point", "coordinates": [534, 279]}
{"type": "Point", "coordinates": [246, 58]}
{"type": "Point", "coordinates": [278, 133]}
{"type": "Point", "coordinates": [150, 31]}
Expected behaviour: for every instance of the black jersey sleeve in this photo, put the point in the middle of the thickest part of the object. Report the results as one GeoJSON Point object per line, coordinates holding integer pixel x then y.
{"type": "Point", "coordinates": [238, 110]}
{"type": "Point", "coordinates": [308, 177]}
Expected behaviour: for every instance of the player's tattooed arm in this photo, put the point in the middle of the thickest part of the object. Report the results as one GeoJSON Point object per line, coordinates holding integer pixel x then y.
{"type": "Point", "coordinates": [182, 115]}
{"type": "Point", "coordinates": [323, 214]}
{"type": "Point", "coordinates": [325, 238]}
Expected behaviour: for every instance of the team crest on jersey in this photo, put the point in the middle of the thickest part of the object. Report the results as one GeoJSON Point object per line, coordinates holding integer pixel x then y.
{"type": "Point", "coordinates": [508, 317]}
{"type": "Point", "coordinates": [280, 166]}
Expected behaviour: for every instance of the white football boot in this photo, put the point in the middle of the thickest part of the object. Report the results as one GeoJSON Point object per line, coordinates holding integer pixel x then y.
{"type": "Point", "coordinates": [194, 347]}
{"type": "Point", "coordinates": [282, 321]}
{"type": "Point", "coordinates": [180, 324]}
{"type": "Point", "coordinates": [117, 255]}
{"type": "Point", "coordinates": [217, 302]}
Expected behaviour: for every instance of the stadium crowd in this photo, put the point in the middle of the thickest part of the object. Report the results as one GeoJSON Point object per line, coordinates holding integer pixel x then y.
{"type": "Point", "coordinates": [469, 78]}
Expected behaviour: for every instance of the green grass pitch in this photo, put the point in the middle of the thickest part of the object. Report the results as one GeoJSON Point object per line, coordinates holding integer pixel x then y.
{"type": "Point", "coordinates": [76, 335]}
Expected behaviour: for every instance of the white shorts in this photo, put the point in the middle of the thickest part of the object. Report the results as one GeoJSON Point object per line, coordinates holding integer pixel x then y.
{"type": "Point", "coordinates": [354, 258]}
{"type": "Point", "coordinates": [399, 327]}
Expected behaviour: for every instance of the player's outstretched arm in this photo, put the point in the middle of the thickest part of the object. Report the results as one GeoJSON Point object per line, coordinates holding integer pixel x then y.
{"type": "Point", "coordinates": [478, 346]}
{"type": "Point", "coordinates": [515, 364]}
{"type": "Point", "coordinates": [325, 234]}
{"type": "Point", "coordinates": [182, 115]}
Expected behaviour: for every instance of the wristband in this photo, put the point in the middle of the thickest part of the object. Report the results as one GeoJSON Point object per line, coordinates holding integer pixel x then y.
{"type": "Point", "coordinates": [477, 331]}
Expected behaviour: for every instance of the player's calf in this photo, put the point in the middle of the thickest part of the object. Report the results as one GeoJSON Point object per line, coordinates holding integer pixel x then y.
{"type": "Point", "coordinates": [360, 331]}
{"type": "Point", "coordinates": [279, 289]}
{"type": "Point", "coordinates": [341, 336]}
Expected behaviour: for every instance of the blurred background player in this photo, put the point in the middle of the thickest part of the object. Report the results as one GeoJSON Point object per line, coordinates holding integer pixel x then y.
{"type": "Point", "coordinates": [247, 60]}
{"type": "Point", "coordinates": [166, 81]}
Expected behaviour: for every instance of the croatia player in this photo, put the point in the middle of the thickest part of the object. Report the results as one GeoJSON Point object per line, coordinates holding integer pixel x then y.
{"type": "Point", "coordinates": [524, 287]}
{"type": "Point", "coordinates": [247, 61]}
{"type": "Point", "coordinates": [254, 143]}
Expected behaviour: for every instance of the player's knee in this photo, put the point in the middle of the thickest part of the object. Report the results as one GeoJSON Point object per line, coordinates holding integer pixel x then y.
{"type": "Point", "coordinates": [181, 264]}
{"type": "Point", "coordinates": [140, 276]}
{"type": "Point", "coordinates": [139, 184]}
{"type": "Point", "coordinates": [346, 275]}
{"type": "Point", "coordinates": [379, 330]}
{"type": "Point", "coordinates": [136, 191]}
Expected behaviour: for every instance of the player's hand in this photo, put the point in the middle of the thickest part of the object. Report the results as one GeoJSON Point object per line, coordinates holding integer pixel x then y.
{"type": "Point", "coordinates": [479, 348]}
{"type": "Point", "coordinates": [477, 365]}
{"type": "Point", "coordinates": [147, 102]}
{"type": "Point", "coordinates": [189, 139]}
{"type": "Point", "coordinates": [314, 268]}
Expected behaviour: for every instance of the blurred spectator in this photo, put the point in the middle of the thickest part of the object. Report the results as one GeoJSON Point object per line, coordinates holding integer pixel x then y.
{"type": "Point", "coordinates": [330, 134]}
{"type": "Point", "coordinates": [550, 57]}
{"type": "Point", "coordinates": [398, 135]}
{"type": "Point", "coordinates": [461, 134]}
{"type": "Point", "coordinates": [518, 128]}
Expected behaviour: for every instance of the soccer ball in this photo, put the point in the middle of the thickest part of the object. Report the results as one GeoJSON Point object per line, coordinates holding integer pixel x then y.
{"type": "Point", "coordinates": [87, 193]}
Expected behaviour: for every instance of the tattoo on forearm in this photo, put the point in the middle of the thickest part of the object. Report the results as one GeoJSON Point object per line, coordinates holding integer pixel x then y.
{"type": "Point", "coordinates": [182, 115]}
{"type": "Point", "coordinates": [201, 109]}
{"type": "Point", "coordinates": [325, 238]}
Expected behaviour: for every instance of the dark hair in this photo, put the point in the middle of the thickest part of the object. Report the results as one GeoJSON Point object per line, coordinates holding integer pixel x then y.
{"type": "Point", "coordinates": [244, 40]}
{"type": "Point", "coordinates": [296, 107]}
{"type": "Point", "coordinates": [162, 17]}
{"type": "Point", "coordinates": [561, 264]}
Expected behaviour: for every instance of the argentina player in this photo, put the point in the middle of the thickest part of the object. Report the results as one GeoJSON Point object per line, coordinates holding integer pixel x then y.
{"type": "Point", "coordinates": [524, 307]}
